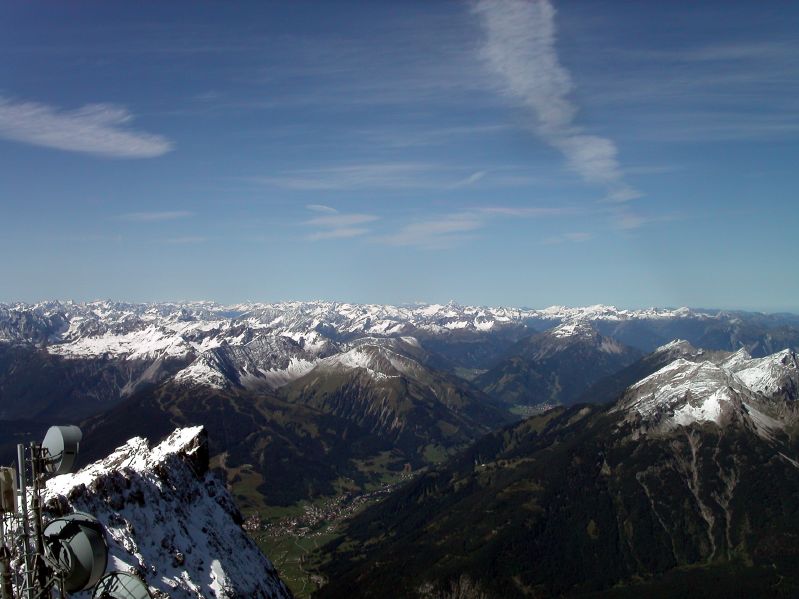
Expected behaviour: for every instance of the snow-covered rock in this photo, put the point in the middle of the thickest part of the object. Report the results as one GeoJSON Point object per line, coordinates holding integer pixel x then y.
{"type": "Point", "coordinates": [762, 392]}
{"type": "Point", "coordinates": [771, 375]}
{"type": "Point", "coordinates": [169, 520]}
{"type": "Point", "coordinates": [268, 361]}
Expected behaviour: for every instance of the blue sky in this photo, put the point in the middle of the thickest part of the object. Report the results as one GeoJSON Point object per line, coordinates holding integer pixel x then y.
{"type": "Point", "coordinates": [491, 152]}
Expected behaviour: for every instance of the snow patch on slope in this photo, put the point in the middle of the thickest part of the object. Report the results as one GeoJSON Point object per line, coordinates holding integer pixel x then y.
{"type": "Point", "coordinates": [139, 344]}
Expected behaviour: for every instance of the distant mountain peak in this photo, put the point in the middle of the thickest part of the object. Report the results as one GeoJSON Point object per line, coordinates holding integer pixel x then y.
{"type": "Point", "coordinates": [677, 346]}
{"type": "Point", "coordinates": [573, 328]}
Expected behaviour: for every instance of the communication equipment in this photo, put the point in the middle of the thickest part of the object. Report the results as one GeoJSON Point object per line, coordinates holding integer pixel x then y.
{"type": "Point", "coordinates": [60, 448]}
{"type": "Point", "coordinates": [75, 547]}
{"type": "Point", "coordinates": [121, 585]}
{"type": "Point", "coordinates": [8, 490]}
{"type": "Point", "coordinates": [70, 553]}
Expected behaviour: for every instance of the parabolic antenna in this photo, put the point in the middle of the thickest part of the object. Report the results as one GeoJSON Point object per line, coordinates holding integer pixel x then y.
{"type": "Point", "coordinates": [121, 585]}
{"type": "Point", "coordinates": [75, 547]}
{"type": "Point", "coordinates": [60, 448]}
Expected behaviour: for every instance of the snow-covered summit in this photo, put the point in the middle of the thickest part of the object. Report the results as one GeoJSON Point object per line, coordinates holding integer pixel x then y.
{"type": "Point", "coordinates": [676, 347]}
{"type": "Point", "coordinates": [573, 328]}
{"type": "Point", "coordinates": [267, 361]}
{"type": "Point", "coordinates": [771, 375]}
{"type": "Point", "coordinates": [168, 520]}
{"type": "Point", "coordinates": [762, 392]}
{"type": "Point", "coordinates": [379, 361]}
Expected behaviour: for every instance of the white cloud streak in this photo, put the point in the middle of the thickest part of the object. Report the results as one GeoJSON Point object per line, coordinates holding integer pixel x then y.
{"type": "Point", "coordinates": [150, 217]}
{"type": "Point", "coordinates": [574, 237]}
{"type": "Point", "coordinates": [385, 176]}
{"type": "Point", "coordinates": [448, 230]}
{"type": "Point", "coordinates": [438, 233]}
{"type": "Point", "coordinates": [471, 179]}
{"type": "Point", "coordinates": [93, 129]}
{"type": "Point", "coordinates": [186, 240]}
{"type": "Point", "coordinates": [527, 212]}
{"type": "Point", "coordinates": [341, 233]}
{"type": "Point", "coordinates": [341, 220]}
{"type": "Point", "coordinates": [626, 220]}
{"type": "Point", "coordinates": [333, 224]}
{"type": "Point", "coordinates": [520, 48]}
{"type": "Point", "coordinates": [321, 208]}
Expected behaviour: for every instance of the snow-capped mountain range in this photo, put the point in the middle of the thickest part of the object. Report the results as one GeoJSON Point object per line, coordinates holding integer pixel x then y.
{"type": "Point", "coordinates": [139, 330]}
{"type": "Point", "coordinates": [103, 352]}
{"type": "Point", "coordinates": [168, 521]}
{"type": "Point", "coordinates": [257, 338]}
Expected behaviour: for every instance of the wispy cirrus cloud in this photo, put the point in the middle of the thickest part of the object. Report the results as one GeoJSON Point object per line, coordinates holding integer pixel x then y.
{"type": "Point", "coordinates": [573, 237]}
{"type": "Point", "coordinates": [626, 220]}
{"type": "Point", "coordinates": [471, 179]}
{"type": "Point", "coordinates": [321, 208]}
{"type": "Point", "coordinates": [97, 129]}
{"type": "Point", "coordinates": [151, 217]}
{"type": "Point", "coordinates": [341, 220]}
{"type": "Point", "coordinates": [436, 233]}
{"type": "Point", "coordinates": [333, 224]}
{"type": "Point", "coordinates": [529, 211]}
{"type": "Point", "coordinates": [520, 47]}
{"type": "Point", "coordinates": [388, 175]}
{"type": "Point", "coordinates": [186, 240]}
{"type": "Point", "coordinates": [449, 230]}
{"type": "Point", "coordinates": [338, 233]}
{"type": "Point", "coordinates": [414, 136]}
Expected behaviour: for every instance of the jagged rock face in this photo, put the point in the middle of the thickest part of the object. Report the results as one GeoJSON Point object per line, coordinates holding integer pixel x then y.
{"type": "Point", "coordinates": [693, 467]}
{"type": "Point", "coordinates": [168, 520]}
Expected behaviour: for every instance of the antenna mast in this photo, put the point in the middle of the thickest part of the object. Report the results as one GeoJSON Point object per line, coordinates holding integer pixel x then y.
{"type": "Point", "coordinates": [68, 553]}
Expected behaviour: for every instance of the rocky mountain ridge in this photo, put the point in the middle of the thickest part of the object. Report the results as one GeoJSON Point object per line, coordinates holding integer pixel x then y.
{"type": "Point", "coordinates": [168, 520]}
{"type": "Point", "coordinates": [104, 351]}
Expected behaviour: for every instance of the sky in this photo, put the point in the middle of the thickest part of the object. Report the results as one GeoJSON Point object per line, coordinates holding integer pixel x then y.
{"type": "Point", "coordinates": [493, 152]}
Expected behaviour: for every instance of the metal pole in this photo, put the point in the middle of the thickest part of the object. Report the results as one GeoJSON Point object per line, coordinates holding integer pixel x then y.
{"type": "Point", "coordinates": [6, 590]}
{"type": "Point", "coordinates": [26, 533]}
{"type": "Point", "coordinates": [39, 567]}
{"type": "Point", "coordinates": [38, 529]}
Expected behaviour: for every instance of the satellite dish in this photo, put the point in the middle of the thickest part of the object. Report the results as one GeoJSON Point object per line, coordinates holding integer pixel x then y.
{"type": "Point", "coordinates": [121, 585]}
{"type": "Point", "coordinates": [60, 448]}
{"type": "Point", "coordinates": [75, 547]}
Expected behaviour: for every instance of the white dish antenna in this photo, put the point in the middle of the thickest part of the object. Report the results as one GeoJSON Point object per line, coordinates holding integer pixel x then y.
{"type": "Point", "coordinates": [75, 547]}
{"type": "Point", "coordinates": [60, 448]}
{"type": "Point", "coordinates": [121, 585]}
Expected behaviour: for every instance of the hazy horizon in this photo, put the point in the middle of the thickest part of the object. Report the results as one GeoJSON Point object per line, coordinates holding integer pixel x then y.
{"type": "Point", "coordinates": [393, 304]}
